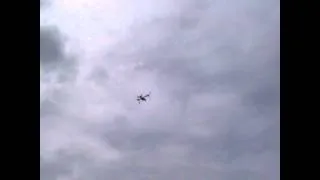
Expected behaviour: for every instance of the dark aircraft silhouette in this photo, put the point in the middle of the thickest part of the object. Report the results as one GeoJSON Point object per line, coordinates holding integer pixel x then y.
{"type": "Point", "coordinates": [142, 98]}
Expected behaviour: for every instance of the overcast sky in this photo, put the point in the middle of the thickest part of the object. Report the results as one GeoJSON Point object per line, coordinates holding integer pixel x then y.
{"type": "Point", "coordinates": [213, 70]}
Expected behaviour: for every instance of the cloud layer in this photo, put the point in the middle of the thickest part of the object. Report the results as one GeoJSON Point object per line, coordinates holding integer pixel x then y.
{"type": "Point", "coordinates": [212, 68]}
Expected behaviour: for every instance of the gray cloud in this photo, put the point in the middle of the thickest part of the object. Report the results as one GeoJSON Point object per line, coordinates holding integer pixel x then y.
{"type": "Point", "coordinates": [213, 69]}
{"type": "Point", "coordinates": [53, 56]}
{"type": "Point", "coordinates": [51, 45]}
{"type": "Point", "coordinates": [44, 4]}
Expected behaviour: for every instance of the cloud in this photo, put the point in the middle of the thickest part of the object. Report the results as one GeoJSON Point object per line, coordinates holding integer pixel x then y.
{"type": "Point", "coordinates": [212, 68]}
{"type": "Point", "coordinates": [51, 49]}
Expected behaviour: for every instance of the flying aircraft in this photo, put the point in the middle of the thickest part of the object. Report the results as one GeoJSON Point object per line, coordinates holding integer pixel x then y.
{"type": "Point", "coordinates": [142, 98]}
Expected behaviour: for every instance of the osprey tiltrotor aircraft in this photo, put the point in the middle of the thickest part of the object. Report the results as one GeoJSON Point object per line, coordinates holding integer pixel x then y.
{"type": "Point", "coordinates": [143, 98]}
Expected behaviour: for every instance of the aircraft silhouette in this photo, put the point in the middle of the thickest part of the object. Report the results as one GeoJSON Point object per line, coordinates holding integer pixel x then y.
{"type": "Point", "coordinates": [142, 98]}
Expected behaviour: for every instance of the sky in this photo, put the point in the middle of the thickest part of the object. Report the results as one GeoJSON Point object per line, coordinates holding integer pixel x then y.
{"type": "Point", "coordinates": [213, 70]}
